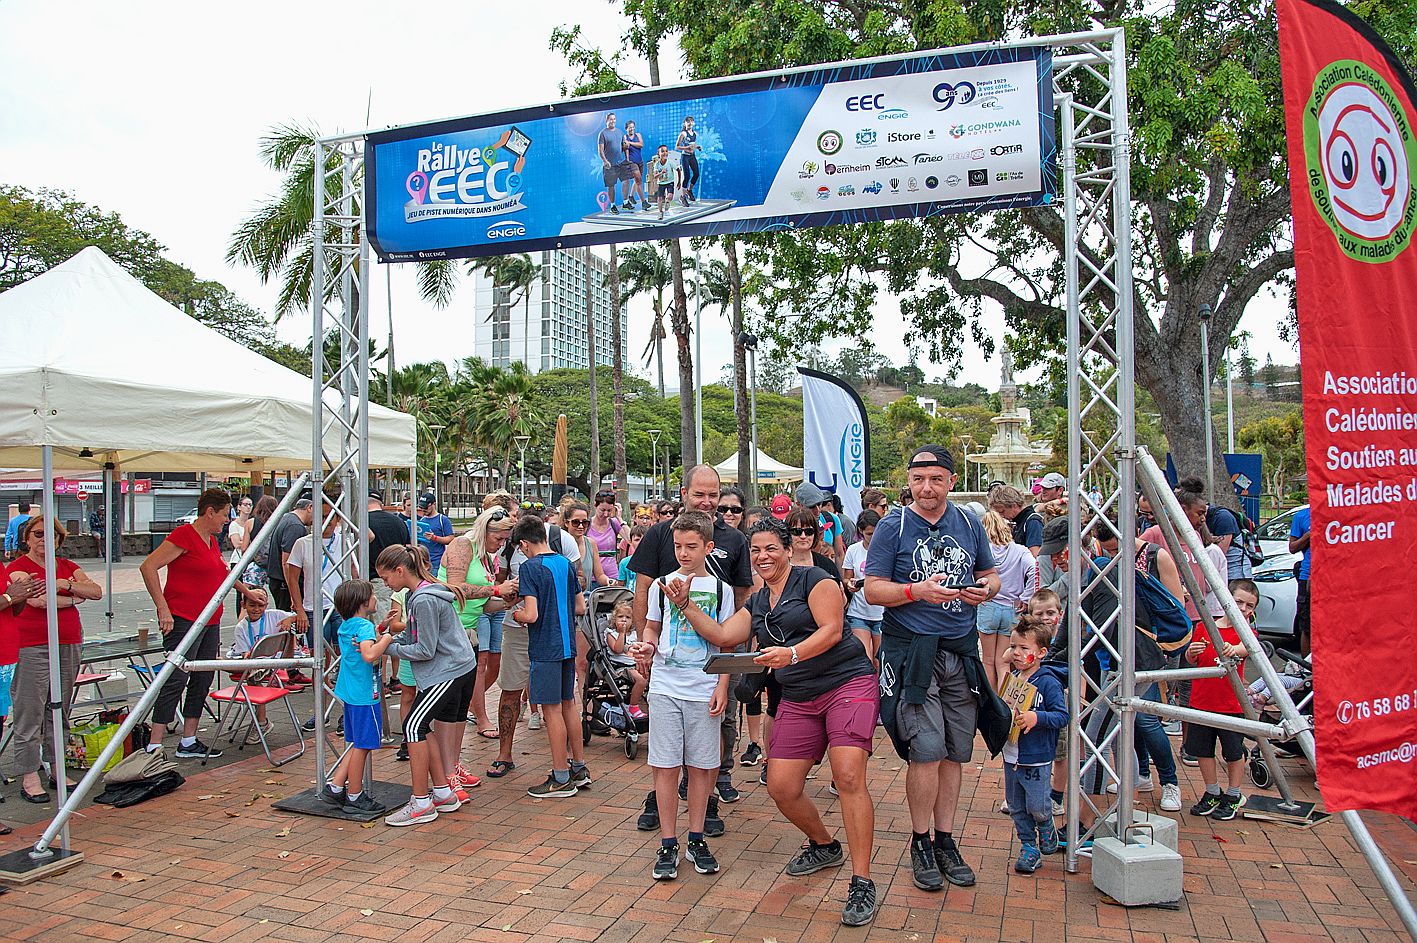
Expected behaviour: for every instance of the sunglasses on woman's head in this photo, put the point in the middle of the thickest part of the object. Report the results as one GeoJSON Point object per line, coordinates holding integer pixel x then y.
{"type": "Point", "coordinates": [533, 506]}
{"type": "Point", "coordinates": [802, 531]}
{"type": "Point", "coordinates": [729, 509]}
{"type": "Point", "coordinates": [498, 515]}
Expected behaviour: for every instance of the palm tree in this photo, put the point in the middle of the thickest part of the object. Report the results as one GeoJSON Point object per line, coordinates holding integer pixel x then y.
{"type": "Point", "coordinates": [509, 410]}
{"type": "Point", "coordinates": [722, 286]}
{"type": "Point", "coordinates": [277, 239]}
{"type": "Point", "coordinates": [512, 278]}
{"type": "Point", "coordinates": [593, 474]}
{"type": "Point", "coordinates": [617, 375]}
{"type": "Point", "coordinates": [645, 271]}
{"type": "Point", "coordinates": [679, 320]}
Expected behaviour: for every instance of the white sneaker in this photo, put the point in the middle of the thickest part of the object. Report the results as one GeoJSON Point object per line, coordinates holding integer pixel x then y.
{"type": "Point", "coordinates": [1004, 807]}
{"type": "Point", "coordinates": [533, 722]}
{"type": "Point", "coordinates": [1170, 797]}
{"type": "Point", "coordinates": [1146, 784]}
{"type": "Point", "coordinates": [411, 815]}
{"type": "Point", "coordinates": [1058, 808]}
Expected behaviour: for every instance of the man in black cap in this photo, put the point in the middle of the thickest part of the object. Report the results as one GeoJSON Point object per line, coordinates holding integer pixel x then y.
{"type": "Point", "coordinates": [930, 565]}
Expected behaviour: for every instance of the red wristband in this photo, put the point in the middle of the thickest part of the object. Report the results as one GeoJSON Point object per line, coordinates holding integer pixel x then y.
{"type": "Point", "coordinates": [908, 594]}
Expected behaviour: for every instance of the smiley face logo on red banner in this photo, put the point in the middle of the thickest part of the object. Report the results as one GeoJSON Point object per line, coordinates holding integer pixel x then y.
{"type": "Point", "coordinates": [1362, 161]}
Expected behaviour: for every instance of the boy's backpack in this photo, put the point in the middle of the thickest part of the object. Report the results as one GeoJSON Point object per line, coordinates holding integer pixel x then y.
{"type": "Point", "coordinates": [1168, 620]}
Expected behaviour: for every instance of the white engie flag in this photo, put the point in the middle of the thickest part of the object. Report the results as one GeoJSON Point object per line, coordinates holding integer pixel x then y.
{"type": "Point", "coordinates": [836, 454]}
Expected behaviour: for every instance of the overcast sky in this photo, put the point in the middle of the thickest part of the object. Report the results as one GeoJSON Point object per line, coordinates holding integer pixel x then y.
{"type": "Point", "coordinates": [154, 110]}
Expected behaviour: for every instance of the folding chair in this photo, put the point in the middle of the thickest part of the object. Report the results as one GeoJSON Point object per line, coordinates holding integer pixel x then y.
{"type": "Point", "coordinates": [254, 689]}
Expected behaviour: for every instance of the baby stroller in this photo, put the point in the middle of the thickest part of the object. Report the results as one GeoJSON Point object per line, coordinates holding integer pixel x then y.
{"type": "Point", "coordinates": [1298, 678]}
{"type": "Point", "coordinates": [605, 698]}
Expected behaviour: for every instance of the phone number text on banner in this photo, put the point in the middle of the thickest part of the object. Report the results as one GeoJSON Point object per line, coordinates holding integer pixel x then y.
{"type": "Point", "coordinates": [909, 137]}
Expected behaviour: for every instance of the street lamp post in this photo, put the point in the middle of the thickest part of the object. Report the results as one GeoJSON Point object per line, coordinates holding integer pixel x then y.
{"type": "Point", "coordinates": [1229, 405]}
{"type": "Point", "coordinates": [654, 458]}
{"type": "Point", "coordinates": [1205, 400]}
{"type": "Point", "coordinates": [750, 344]}
{"type": "Point", "coordinates": [522, 442]}
{"type": "Point", "coordinates": [437, 497]}
{"type": "Point", "coordinates": [966, 440]}
{"type": "Point", "coordinates": [698, 359]}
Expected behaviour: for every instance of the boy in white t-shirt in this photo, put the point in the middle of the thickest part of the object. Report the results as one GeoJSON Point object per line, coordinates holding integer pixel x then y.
{"type": "Point", "coordinates": [685, 701]}
{"type": "Point", "coordinates": [256, 623]}
{"type": "Point", "coordinates": [862, 618]}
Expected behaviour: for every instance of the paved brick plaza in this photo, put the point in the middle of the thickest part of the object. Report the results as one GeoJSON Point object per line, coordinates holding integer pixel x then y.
{"type": "Point", "coordinates": [509, 869]}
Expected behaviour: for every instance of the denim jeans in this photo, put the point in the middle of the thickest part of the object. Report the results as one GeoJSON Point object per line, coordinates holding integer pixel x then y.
{"type": "Point", "coordinates": [1152, 744]}
{"type": "Point", "coordinates": [1030, 803]}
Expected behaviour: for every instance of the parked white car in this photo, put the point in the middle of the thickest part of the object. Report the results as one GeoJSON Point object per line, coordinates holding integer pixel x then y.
{"type": "Point", "coordinates": [1275, 578]}
{"type": "Point", "coordinates": [189, 518]}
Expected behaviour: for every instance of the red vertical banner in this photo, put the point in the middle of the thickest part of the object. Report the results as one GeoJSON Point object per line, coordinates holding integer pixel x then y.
{"type": "Point", "coordinates": [1352, 170]}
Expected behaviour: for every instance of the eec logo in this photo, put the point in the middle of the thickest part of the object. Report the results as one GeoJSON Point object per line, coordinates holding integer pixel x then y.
{"type": "Point", "coordinates": [866, 102]}
{"type": "Point", "coordinates": [1361, 160]}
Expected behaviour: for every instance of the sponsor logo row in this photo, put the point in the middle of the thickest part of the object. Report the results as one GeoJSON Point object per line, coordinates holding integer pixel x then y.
{"type": "Point", "coordinates": [831, 141]}
{"type": "Point", "coordinates": [810, 168]}
{"type": "Point", "coordinates": [976, 177]}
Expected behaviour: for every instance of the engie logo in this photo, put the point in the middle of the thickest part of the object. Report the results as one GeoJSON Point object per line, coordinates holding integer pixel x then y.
{"type": "Point", "coordinates": [851, 456]}
{"type": "Point", "coordinates": [1361, 159]}
{"type": "Point", "coordinates": [452, 180]}
{"type": "Point", "coordinates": [505, 229]}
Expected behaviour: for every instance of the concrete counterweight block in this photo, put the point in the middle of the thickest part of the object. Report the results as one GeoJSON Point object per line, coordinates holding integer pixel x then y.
{"type": "Point", "coordinates": [1157, 829]}
{"type": "Point", "coordinates": [1136, 875]}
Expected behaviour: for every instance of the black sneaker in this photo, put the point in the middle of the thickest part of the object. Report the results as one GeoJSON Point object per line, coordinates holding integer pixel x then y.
{"type": "Point", "coordinates": [615, 209]}
{"type": "Point", "coordinates": [666, 863]}
{"type": "Point", "coordinates": [308, 725]}
{"type": "Point", "coordinates": [402, 754]}
{"type": "Point", "coordinates": [684, 788]}
{"type": "Point", "coordinates": [551, 789]}
{"type": "Point", "coordinates": [649, 818]}
{"type": "Point", "coordinates": [952, 866]}
{"type": "Point", "coordinates": [713, 822]}
{"type": "Point", "coordinates": [1228, 808]}
{"type": "Point", "coordinates": [580, 777]}
{"type": "Point", "coordinates": [751, 756]}
{"type": "Point", "coordinates": [1188, 760]}
{"type": "Point", "coordinates": [365, 805]}
{"type": "Point", "coordinates": [703, 859]}
{"type": "Point", "coordinates": [197, 750]}
{"type": "Point", "coordinates": [1207, 805]}
{"type": "Point", "coordinates": [331, 796]}
{"type": "Point", "coordinates": [814, 858]}
{"type": "Point", "coordinates": [925, 870]}
{"type": "Point", "coordinates": [763, 776]}
{"type": "Point", "coordinates": [861, 903]}
{"type": "Point", "coordinates": [726, 791]}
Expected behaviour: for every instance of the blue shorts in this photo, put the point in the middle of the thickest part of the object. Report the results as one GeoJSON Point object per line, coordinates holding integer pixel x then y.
{"type": "Point", "coordinates": [870, 625]}
{"type": "Point", "coordinates": [553, 682]}
{"type": "Point", "coordinates": [489, 632]}
{"type": "Point", "coordinates": [363, 727]}
{"type": "Point", "coordinates": [996, 618]}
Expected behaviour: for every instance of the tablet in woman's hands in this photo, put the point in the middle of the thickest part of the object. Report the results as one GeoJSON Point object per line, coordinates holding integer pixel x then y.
{"type": "Point", "coordinates": [733, 663]}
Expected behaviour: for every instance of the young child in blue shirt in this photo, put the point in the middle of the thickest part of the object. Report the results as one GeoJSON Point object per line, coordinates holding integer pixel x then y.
{"type": "Point", "coordinates": [550, 602]}
{"type": "Point", "coordinates": [1028, 761]}
{"type": "Point", "coordinates": [361, 647]}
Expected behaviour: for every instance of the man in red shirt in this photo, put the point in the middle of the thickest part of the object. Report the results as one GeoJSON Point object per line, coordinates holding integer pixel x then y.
{"type": "Point", "coordinates": [1217, 696]}
{"type": "Point", "coordinates": [195, 571]}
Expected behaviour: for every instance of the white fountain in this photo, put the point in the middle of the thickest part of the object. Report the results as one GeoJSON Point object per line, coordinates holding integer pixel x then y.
{"type": "Point", "coordinates": [1010, 453]}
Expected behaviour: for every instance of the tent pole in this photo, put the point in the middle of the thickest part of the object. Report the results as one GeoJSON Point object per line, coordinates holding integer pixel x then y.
{"type": "Point", "coordinates": [51, 611]}
{"type": "Point", "coordinates": [107, 549]}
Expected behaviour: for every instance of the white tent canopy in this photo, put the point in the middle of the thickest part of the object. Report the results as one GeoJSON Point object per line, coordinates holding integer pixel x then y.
{"type": "Point", "coordinates": [770, 470]}
{"type": "Point", "coordinates": [95, 362]}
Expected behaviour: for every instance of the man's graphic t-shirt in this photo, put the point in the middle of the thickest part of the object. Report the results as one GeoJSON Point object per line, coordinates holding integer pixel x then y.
{"type": "Point", "coordinates": [907, 549]}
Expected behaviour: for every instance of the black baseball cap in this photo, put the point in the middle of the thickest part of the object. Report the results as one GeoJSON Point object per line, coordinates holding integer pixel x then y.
{"type": "Point", "coordinates": [426, 500]}
{"type": "Point", "coordinates": [927, 456]}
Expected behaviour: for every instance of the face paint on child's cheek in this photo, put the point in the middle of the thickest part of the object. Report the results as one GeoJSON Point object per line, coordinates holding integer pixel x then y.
{"type": "Point", "coordinates": [1032, 658]}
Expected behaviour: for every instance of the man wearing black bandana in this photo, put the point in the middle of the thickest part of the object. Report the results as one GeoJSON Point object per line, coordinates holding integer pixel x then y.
{"type": "Point", "coordinates": [930, 565]}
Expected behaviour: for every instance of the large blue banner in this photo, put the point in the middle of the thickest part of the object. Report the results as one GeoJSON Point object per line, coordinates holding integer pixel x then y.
{"type": "Point", "coordinates": [852, 143]}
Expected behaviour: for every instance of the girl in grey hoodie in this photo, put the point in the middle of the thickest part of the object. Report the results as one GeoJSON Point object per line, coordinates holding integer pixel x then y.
{"type": "Point", "coordinates": [444, 664]}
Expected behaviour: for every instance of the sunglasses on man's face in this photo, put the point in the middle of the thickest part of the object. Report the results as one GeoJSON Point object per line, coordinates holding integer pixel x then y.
{"type": "Point", "coordinates": [729, 509]}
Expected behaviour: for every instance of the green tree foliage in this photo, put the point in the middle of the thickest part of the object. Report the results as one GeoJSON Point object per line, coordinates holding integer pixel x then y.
{"type": "Point", "coordinates": [1280, 442]}
{"type": "Point", "coordinates": [1209, 175]}
{"type": "Point", "coordinates": [40, 229]}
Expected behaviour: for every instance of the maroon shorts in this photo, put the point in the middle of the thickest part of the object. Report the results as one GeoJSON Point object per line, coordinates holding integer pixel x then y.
{"type": "Point", "coordinates": [844, 717]}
